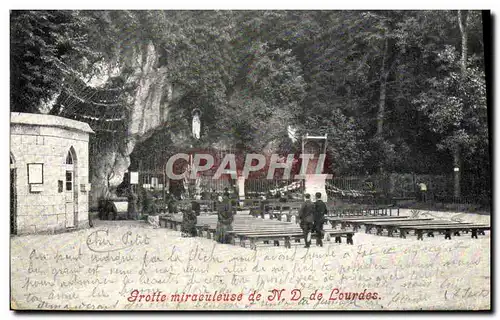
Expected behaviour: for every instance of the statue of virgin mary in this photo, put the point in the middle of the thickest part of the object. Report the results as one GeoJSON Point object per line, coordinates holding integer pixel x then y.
{"type": "Point", "coordinates": [196, 123]}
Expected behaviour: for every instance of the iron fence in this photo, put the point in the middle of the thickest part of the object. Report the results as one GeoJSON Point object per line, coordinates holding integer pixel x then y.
{"type": "Point", "coordinates": [394, 187]}
{"type": "Point", "coordinates": [255, 188]}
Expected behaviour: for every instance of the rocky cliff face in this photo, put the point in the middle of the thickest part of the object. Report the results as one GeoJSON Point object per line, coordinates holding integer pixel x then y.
{"type": "Point", "coordinates": [151, 101]}
{"type": "Point", "coordinates": [153, 112]}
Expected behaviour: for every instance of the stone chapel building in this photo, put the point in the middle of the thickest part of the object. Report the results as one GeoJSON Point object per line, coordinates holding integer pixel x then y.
{"type": "Point", "coordinates": [49, 171]}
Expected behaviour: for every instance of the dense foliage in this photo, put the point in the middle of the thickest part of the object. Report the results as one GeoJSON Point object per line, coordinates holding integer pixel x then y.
{"type": "Point", "coordinates": [394, 90]}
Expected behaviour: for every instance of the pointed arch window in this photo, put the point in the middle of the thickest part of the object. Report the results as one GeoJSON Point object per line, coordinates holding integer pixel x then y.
{"type": "Point", "coordinates": [70, 167]}
{"type": "Point", "coordinates": [69, 158]}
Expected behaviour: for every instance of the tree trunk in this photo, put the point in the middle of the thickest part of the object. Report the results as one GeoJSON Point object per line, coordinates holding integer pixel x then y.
{"type": "Point", "coordinates": [463, 19]}
{"type": "Point", "coordinates": [383, 87]}
{"type": "Point", "coordinates": [382, 100]}
{"type": "Point", "coordinates": [456, 174]}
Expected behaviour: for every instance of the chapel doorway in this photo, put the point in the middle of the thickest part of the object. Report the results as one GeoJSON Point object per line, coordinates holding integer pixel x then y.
{"type": "Point", "coordinates": [70, 189]}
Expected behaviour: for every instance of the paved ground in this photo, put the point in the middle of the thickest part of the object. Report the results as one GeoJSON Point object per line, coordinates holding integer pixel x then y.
{"type": "Point", "coordinates": [100, 267]}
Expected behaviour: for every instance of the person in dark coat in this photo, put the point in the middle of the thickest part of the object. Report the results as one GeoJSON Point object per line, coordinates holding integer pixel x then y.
{"type": "Point", "coordinates": [172, 205]}
{"type": "Point", "coordinates": [283, 197]}
{"type": "Point", "coordinates": [264, 207]}
{"type": "Point", "coordinates": [320, 212]}
{"type": "Point", "coordinates": [101, 209]}
{"type": "Point", "coordinates": [225, 217]}
{"type": "Point", "coordinates": [189, 220]}
{"type": "Point", "coordinates": [306, 219]}
{"type": "Point", "coordinates": [91, 224]}
{"type": "Point", "coordinates": [107, 210]}
{"type": "Point", "coordinates": [132, 212]}
{"type": "Point", "coordinates": [195, 206]}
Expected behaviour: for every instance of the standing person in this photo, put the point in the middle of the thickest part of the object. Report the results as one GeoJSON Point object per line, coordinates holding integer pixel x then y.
{"type": "Point", "coordinates": [172, 205]}
{"type": "Point", "coordinates": [189, 220]}
{"type": "Point", "coordinates": [195, 206]}
{"type": "Point", "coordinates": [320, 212]}
{"type": "Point", "coordinates": [147, 201]}
{"type": "Point", "coordinates": [423, 191]}
{"type": "Point", "coordinates": [91, 224]}
{"type": "Point", "coordinates": [278, 195]}
{"type": "Point", "coordinates": [225, 217]}
{"type": "Point", "coordinates": [306, 219]}
{"type": "Point", "coordinates": [264, 205]}
{"type": "Point", "coordinates": [132, 212]}
{"type": "Point", "coordinates": [214, 198]}
{"type": "Point", "coordinates": [283, 197]}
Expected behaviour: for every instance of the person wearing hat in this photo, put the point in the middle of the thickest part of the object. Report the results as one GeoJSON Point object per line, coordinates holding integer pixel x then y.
{"type": "Point", "coordinates": [320, 211]}
{"type": "Point", "coordinates": [264, 206]}
{"type": "Point", "coordinates": [306, 219]}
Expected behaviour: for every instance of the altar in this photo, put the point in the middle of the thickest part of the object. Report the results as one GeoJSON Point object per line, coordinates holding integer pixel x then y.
{"type": "Point", "coordinates": [314, 148]}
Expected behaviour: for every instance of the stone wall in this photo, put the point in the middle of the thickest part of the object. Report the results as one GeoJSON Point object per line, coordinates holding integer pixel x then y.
{"type": "Point", "coordinates": [43, 207]}
{"type": "Point", "coordinates": [151, 104]}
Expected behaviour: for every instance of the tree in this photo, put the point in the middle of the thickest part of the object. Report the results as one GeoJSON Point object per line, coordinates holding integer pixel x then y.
{"type": "Point", "coordinates": [46, 47]}
{"type": "Point", "coordinates": [456, 101]}
{"type": "Point", "coordinates": [396, 91]}
{"type": "Point", "coordinates": [227, 75]}
{"type": "Point", "coordinates": [347, 69]}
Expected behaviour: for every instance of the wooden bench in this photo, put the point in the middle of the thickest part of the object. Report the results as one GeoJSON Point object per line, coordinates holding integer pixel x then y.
{"type": "Point", "coordinates": [403, 229]}
{"type": "Point", "coordinates": [391, 229]}
{"type": "Point", "coordinates": [207, 206]}
{"type": "Point", "coordinates": [288, 210]}
{"type": "Point", "coordinates": [260, 229]}
{"type": "Point", "coordinates": [403, 201]}
{"type": "Point", "coordinates": [250, 203]}
{"type": "Point", "coordinates": [258, 207]}
{"type": "Point", "coordinates": [403, 198]}
{"type": "Point", "coordinates": [381, 224]}
{"type": "Point", "coordinates": [364, 211]}
{"type": "Point", "coordinates": [287, 236]}
{"type": "Point", "coordinates": [211, 228]}
{"type": "Point", "coordinates": [174, 221]}
{"type": "Point", "coordinates": [244, 226]}
{"type": "Point", "coordinates": [356, 221]}
{"type": "Point", "coordinates": [475, 229]}
{"type": "Point", "coordinates": [392, 225]}
{"type": "Point", "coordinates": [170, 222]}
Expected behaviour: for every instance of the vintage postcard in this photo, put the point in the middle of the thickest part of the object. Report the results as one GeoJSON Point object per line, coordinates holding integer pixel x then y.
{"type": "Point", "coordinates": [250, 160]}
